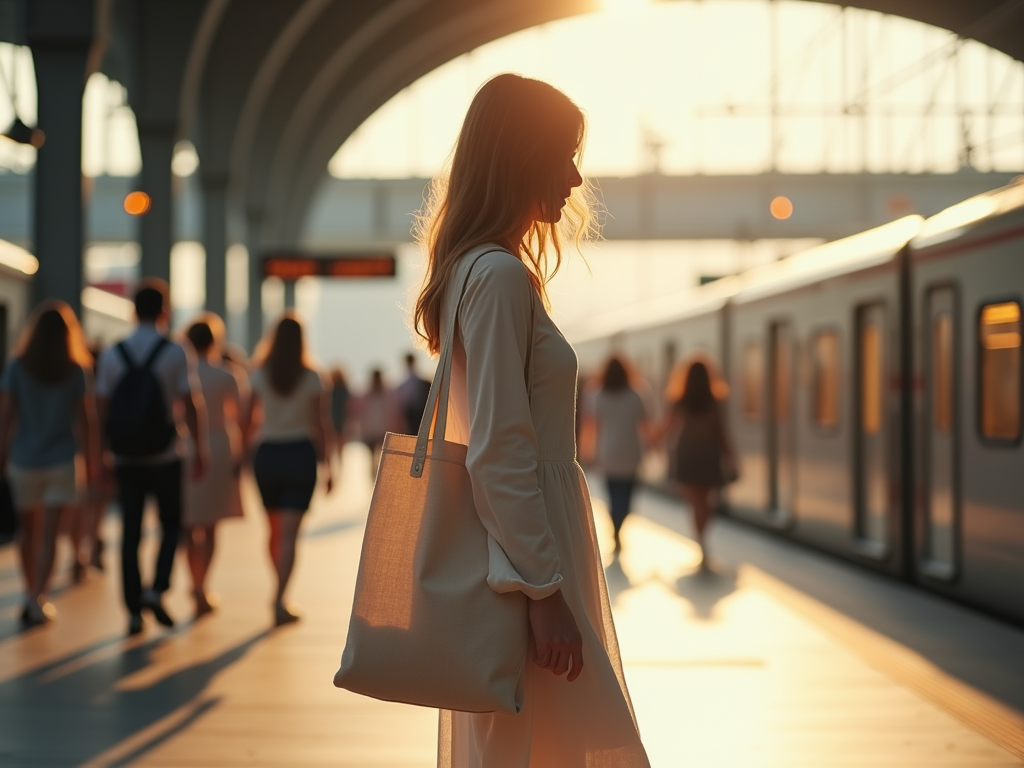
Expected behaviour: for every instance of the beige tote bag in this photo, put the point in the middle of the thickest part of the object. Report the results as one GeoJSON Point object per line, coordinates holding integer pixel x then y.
{"type": "Point", "coordinates": [426, 628]}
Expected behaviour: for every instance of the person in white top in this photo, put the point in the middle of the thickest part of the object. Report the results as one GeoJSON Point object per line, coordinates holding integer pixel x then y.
{"type": "Point", "coordinates": [292, 424]}
{"type": "Point", "coordinates": [378, 412]}
{"type": "Point", "coordinates": [216, 495]}
{"type": "Point", "coordinates": [621, 424]}
{"type": "Point", "coordinates": [513, 391]}
{"type": "Point", "coordinates": [148, 395]}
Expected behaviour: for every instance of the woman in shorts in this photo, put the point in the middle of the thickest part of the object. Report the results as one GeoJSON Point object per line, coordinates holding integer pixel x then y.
{"type": "Point", "coordinates": [47, 416]}
{"type": "Point", "coordinates": [292, 421]}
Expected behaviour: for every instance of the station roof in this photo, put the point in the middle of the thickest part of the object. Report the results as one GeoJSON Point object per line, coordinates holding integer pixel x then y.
{"type": "Point", "coordinates": [269, 89]}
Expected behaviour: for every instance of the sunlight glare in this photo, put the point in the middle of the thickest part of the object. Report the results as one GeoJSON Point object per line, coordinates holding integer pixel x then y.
{"type": "Point", "coordinates": [623, 6]}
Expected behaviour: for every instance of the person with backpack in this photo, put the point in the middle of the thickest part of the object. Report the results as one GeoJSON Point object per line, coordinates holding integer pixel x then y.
{"type": "Point", "coordinates": [147, 392]}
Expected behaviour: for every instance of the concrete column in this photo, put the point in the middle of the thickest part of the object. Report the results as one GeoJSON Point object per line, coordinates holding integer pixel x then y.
{"type": "Point", "coordinates": [156, 227]}
{"type": "Point", "coordinates": [58, 238]}
{"type": "Point", "coordinates": [215, 242]}
{"type": "Point", "coordinates": [254, 319]}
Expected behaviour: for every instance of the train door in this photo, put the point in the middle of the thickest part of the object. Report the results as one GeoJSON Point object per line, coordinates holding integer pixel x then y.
{"type": "Point", "coordinates": [940, 435]}
{"type": "Point", "coordinates": [781, 431]}
{"type": "Point", "coordinates": [871, 497]}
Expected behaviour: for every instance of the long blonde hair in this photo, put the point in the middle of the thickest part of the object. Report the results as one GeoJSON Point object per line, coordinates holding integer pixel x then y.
{"type": "Point", "coordinates": [502, 166]}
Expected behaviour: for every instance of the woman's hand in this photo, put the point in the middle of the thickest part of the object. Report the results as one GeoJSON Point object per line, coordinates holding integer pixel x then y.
{"type": "Point", "coordinates": [557, 644]}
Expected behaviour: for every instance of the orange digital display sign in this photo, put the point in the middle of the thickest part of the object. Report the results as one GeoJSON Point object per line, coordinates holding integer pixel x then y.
{"type": "Point", "coordinates": [292, 267]}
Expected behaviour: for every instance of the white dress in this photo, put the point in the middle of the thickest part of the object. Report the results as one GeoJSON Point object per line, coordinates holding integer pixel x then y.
{"type": "Point", "coordinates": [216, 495]}
{"type": "Point", "coordinates": [533, 499]}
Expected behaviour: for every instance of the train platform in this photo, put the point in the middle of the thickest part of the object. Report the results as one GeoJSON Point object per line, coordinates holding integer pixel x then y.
{"type": "Point", "coordinates": [777, 657]}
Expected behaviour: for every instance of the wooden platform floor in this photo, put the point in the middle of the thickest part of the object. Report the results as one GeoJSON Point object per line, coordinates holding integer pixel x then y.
{"type": "Point", "coordinates": [741, 668]}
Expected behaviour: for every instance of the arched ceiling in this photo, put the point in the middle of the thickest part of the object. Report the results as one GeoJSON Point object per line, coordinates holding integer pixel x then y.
{"type": "Point", "coordinates": [284, 82]}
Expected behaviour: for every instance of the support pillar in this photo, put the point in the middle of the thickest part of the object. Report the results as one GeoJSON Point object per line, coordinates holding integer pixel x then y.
{"type": "Point", "coordinates": [254, 313]}
{"type": "Point", "coordinates": [156, 226]}
{"type": "Point", "coordinates": [215, 242]}
{"type": "Point", "coordinates": [60, 46]}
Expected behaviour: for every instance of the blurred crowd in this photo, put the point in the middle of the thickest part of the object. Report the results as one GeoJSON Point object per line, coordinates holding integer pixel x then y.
{"type": "Point", "coordinates": [627, 433]}
{"type": "Point", "coordinates": [176, 420]}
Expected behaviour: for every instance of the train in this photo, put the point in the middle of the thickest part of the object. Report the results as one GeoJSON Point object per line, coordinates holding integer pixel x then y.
{"type": "Point", "coordinates": [875, 394]}
{"type": "Point", "coordinates": [106, 317]}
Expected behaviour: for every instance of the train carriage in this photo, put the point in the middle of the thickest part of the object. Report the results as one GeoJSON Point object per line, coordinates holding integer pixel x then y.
{"type": "Point", "coordinates": [814, 370]}
{"type": "Point", "coordinates": [877, 394]}
{"type": "Point", "coordinates": [967, 288]}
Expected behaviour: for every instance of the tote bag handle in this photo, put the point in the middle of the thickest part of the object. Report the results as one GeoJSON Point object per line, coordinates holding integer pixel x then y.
{"type": "Point", "coordinates": [440, 388]}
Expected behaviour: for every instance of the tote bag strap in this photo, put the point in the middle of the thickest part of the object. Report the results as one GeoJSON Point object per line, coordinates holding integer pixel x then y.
{"type": "Point", "coordinates": [437, 400]}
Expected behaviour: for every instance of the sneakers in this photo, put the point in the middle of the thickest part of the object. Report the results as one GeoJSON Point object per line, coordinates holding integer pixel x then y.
{"type": "Point", "coordinates": [34, 613]}
{"type": "Point", "coordinates": [134, 624]}
{"type": "Point", "coordinates": [283, 616]}
{"type": "Point", "coordinates": [151, 602]}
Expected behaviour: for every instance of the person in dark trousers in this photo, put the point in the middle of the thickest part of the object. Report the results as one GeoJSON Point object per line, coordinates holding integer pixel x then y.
{"type": "Point", "coordinates": [621, 423]}
{"type": "Point", "coordinates": [412, 395]}
{"type": "Point", "coordinates": [147, 392]}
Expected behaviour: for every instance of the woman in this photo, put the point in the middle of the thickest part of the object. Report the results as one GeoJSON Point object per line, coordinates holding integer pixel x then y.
{"type": "Point", "coordinates": [703, 460]}
{"type": "Point", "coordinates": [291, 415]}
{"type": "Point", "coordinates": [379, 413]}
{"type": "Point", "coordinates": [340, 404]}
{"type": "Point", "coordinates": [46, 402]}
{"type": "Point", "coordinates": [215, 495]}
{"type": "Point", "coordinates": [512, 402]}
{"type": "Point", "coordinates": [620, 419]}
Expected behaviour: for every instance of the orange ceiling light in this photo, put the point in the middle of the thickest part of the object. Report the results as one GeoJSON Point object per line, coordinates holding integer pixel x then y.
{"type": "Point", "coordinates": [781, 207]}
{"type": "Point", "coordinates": [137, 203]}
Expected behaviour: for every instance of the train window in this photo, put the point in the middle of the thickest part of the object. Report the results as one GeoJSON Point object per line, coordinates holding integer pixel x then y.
{"type": "Point", "coordinates": [1000, 386]}
{"type": "Point", "coordinates": [753, 378]}
{"type": "Point", "coordinates": [872, 455]}
{"type": "Point", "coordinates": [825, 378]}
{"type": "Point", "coordinates": [872, 381]}
{"type": "Point", "coordinates": [942, 373]}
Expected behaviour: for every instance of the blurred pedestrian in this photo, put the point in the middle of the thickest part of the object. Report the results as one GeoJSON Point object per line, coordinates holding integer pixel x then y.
{"type": "Point", "coordinates": [93, 508]}
{"type": "Point", "coordinates": [620, 420]}
{"type": "Point", "coordinates": [703, 460]}
{"type": "Point", "coordinates": [148, 396]}
{"type": "Point", "coordinates": [412, 395]}
{"type": "Point", "coordinates": [216, 495]}
{"type": "Point", "coordinates": [341, 404]}
{"type": "Point", "coordinates": [379, 413]}
{"type": "Point", "coordinates": [291, 414]}
{"type": "Point", "coordinates": [47, 415]}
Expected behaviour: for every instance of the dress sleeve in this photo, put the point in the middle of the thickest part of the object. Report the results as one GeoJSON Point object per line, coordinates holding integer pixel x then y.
{"type": "Point", "coordinates": [494, 325]}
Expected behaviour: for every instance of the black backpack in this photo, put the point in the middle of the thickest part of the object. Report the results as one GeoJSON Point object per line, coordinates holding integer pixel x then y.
{"type": "Point", "coordinates": [139, 422]}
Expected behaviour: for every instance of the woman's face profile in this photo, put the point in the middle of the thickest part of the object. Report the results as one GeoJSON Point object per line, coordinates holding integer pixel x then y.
{"type": "Point", "coordinates": [566, 178]}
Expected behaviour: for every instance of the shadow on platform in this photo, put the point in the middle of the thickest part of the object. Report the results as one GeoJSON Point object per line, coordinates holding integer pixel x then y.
{"type": "Point", "coordinates": [72, 711]}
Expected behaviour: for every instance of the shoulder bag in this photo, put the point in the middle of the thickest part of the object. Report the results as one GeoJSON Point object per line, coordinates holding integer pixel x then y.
{"type": "Point", "coordinates": [426, 628]}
